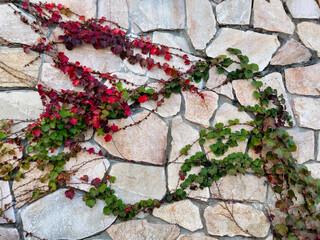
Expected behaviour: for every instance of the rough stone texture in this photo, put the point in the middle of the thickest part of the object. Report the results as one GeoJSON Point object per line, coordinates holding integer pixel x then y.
{"type": "Point", "coordinates": [200, 110]}
{"type": "Point", "coordinates": [115, 11]}
{"type": "Point", "coordinates": [309, 34]}
{"type": "Point", "coordinates": [318, 157]}
{"type": "Point", "coordinates": [13, 29]}
{"type": "Point", "coordinates": [291, 52]}
{"type": "Point", "coordinates": [86, 164]}
{"type": "Point", "coordinates": [137, 182]}
{"type": "Point", "coordinates": [6, 200]}
{"type": "Point", "coordinates": [303, 8]}
{"type": "Point", "coordinates": [183, 134]}
{"type": "Point", "coordinates": [150, 139]}
{"type": "Point", "coordinates": [303, 80]}
{"type": "Point", "coordinates": [215, 82]}
{"type": "Point", "coordinates": [235, 12]}
{"type": "Point", "coordinates": [196, 236]}
{"type": "Point", "coordinates": [141, 230]}
{"type": "Point", "coordinates": [23, 105]}
{"type": "Point", "coordinates": [148, 15]}
{"type": "Point", "coordinates": [201, 23]}
{"type": "Point", "coordinates": [8, 158]}
{"type": "Point", "coordinates": [170, 106]}
{"type": "Point", "coordinates": [305, 144]}
{"type": "Point", "coordinates": [314, 168]}
{"type": "Point", "coordinates": [271, 16]}
{"type": "Point", "coordinates": [9, 233]}
{"type": "Point", "coordinates": [258, 47]}
{"type": "Point", "coordinates": [73, 220]}
{"type": "Point", "coordinates": [247, 217]}
{"type": "Point", "coordinates": [307, 112]}
{"type": "Point", "coordinates": [171, 40]}
{"type": "Point", "coordinates": [136, 80]}
{"type": "Point", "coordinates": [240, 187]}
{"type": "Point", "coordinates": [176, 213]}
{"type": "Point", "coordinates": [14, 61]}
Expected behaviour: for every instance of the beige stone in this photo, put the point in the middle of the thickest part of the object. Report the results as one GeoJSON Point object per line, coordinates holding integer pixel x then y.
{"type": "Point", "coordinates": [136, 80]}
{"type": "Point", "coordinates": [7, 157]}
{"type": "Point", "coordinates": [6, 204]}
{"type": "Point", "coordinates": [244, 92]}
{"type": "Point", "coordinates": [9, 233]}
{"type": "Point", "coordinates": [150, 139]}
{"type": "Point", "coordinates": [271, 16]}
{"type": "Point", "coordinates": [234, 12]}
{"type": "Point", "coordinates": [115, 11]}
{"type": "Point", "coordinates": [258, 47]}
{"type": "Point", "coordinates": [309, 34]}
{"type": "Point", "coordinates": [148, 15]}
{"type": "Point", "coordinates": [184, 213]}
{"type": "Point", "coordinates": [170, 106]}
{"type": "Point", "coordinates": [141, 230]}
{"type": "Point", "coordinates": [16, 74]}
{"type": "Point", "coordinates": [196, 236]}
{"type": "Point", "coordinates": [303, 9]}
{"type": "Point", "coordinates": [136, 182]}
{"type": "Point", "coordinates": [303, 80]}
{"type": "Point", "coordinates": [291, 52]}
{"type": "Point", "coordinates": [201, 22]}
{"type": "Point", "coordinates": [21, 105]}
{"type": "Point", "coordinates": [171, 40]}
{"type": "Point", "coordinates": [307, 112]}
{"type": "Point", "coordinates": [13, 29]}
{"type": "Point", "coordinates": [200, 110]}
{"type": "Point", "coordinates": [217, 83]}
{"type": "Point", "coordinates": [240, 187]}
{"type": "Point", "coordinates": [305, 144]}
{"type": "Point", "coordinates": [318, 157]}
{"type": "Point", "coordinates": [218, 220]}
{"type": "Point", "coordinates": [314, 168]}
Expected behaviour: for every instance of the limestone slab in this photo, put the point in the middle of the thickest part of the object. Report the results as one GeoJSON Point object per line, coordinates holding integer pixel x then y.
{"type": "Point", "coordinates": [196, 236]}
{"type": "Point", "coordinates": [200, 110]}
{"type": "Point", "coordinates": [248, 218]}
{"type": "Point", "coordinates": [6, 203]}
{"type": "Point", "coordinates": [9, 233]}
{"type": "Point", "coordinates": [318, 157]}
{"type": "Point", "coordinates": [141, 230]}
{"type": "Point", "coordinates": [303, 9]}
{"type": "Point", "coordinates": [136, 182]}
{"type": "Point", "coordinates": [234, 12]}
{"type": "Point", "coordinates": [290, 53]}
{"type": "Point", "coordinates": [309, 34]}
{"type": "Point", "coordinates": [240, 187]}
{"type": "Point", "coordinates": [217, 83]}
{"type": "Point", "coordinates": [271, 16]}
{"type": "Point", "coordinates": [136, 80]}
{"type": "Point", "coordinates": [307, 112]}
{"type": "Point", "coordinates": [176, 213]}
{"type": "Point", "coordinates": [258, 47]}
{"type": "Point", "coordinates": [171, 40]}
{"type": "Point", "coordinates": [150, 139]}
{"type": "Point", "coordinates": [303, 80]}
{"type": "Point", "coordinates": [13, 29]}
{"type": "Point", "coordinates": [20, 105]}
{"type": "Point", "coordinates": [73, 220]}
{"type": "Point", "coordinates": [201, 22]}
{"type": "Point", "coordinates": [115, 11]}
{"type": "Point", "coordinates": [314, 168]}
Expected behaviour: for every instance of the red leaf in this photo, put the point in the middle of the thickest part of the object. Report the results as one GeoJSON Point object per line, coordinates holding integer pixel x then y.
{"type": "Point", "coordinates": [107, 138]}
{"type": "Point", "coordinates": [25, 5]}
{"type": "Point", "coordinates": [90, 150]}
{"type": "Point", "coordinates": [85, 178]}
{"type": "Point", "coordinates": [73, 121]}
{"type": "Point", "coordinates": [69, 193]}
{"type": "Point", "coordinates": [142, 99]}
{"type": "Point", "coordinates": [96, 182]}
{"type": "Point", "coordinates": [114, 128]}
{"type": "Point", "coordinates": [127, 112]}
{"type": "Point", "coordinates": [36, 132]}
{"type": "Point", "coordinates": [167, 56]}
{"type": "Point", "coordinates": [82, 18]}
{"type": "Point", "coordinates": [75, 82]}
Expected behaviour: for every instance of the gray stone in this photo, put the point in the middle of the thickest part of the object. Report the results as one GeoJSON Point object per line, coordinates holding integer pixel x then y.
{"type": "Point", "coordinates": [195, 236]}
{"type": "Point", "coordinates": [240, 187]}
{"type": "Point", "coordinates": [307, 112]}
{"type": "Point", "coordinates": [72, 220]}
{"type": "Point", "coordinates": [171, 40]}
{"type": "Point", "coordinates": [303, 9]}
{"type": "Point", "coordinates": [309, 34]}
{"type": "Point", "coordinates": [16, 74]}
{"type": "Point", "coordinates": [13, 29]}
{"type": "Point", "coordinates": [150, 139]}
{"type": "Point", "coordinates": [234, 12]}
{"type": "Point", "coordinates": [149, 15]}
{"type": "Point", "coordinates": [115, 11]}
{"type": "Point", "coordinates": [258, 47]}
{"type": "Point", "coordinates": [136, 182]}
{"type": "Point", "coordinates": [176, 213]}
{"type": "Point", "coordinates": [303, 80]}
{"type": "Point", "coordinates": [318, 157]}
{"type": "Point", "coordinates": [305, 144]}
{"type": "Point", "coordinates": [6, 203]}
{"type": "Point", "coordinates": [9, 233]}
{"type": "Point", "coordinates": [314, 168]}
{"type": "Point", "coordinates": [142, 230]}
{"type": "Point", "coordinates": [291, 52]}
{"type": "Point", "coordinates": [23, 105]}
{"type": "Point", "coordinates": [271, 16]}
{"type": "Point", "coordinates": [201, 23]}
{"type": "Point", "coordinates": [219, 223]}
{"type": "Point", "coordinates": [200, 110]}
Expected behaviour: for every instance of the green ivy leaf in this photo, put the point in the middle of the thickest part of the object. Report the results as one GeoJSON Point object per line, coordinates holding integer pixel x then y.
{"type": "Point", "coordinates": [90, 202]}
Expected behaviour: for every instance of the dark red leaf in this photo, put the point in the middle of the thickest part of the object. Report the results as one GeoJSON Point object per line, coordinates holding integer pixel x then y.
{"type": "Point", "coordinates": [69, 193]}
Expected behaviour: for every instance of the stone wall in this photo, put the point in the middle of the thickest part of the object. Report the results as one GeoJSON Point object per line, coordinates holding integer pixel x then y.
{"type": "Point", "coordinates": [281, 36]}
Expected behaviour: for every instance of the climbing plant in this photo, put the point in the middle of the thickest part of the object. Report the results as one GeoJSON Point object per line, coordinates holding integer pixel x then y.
{"type": "Point", "coordinates": [68, 114]}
